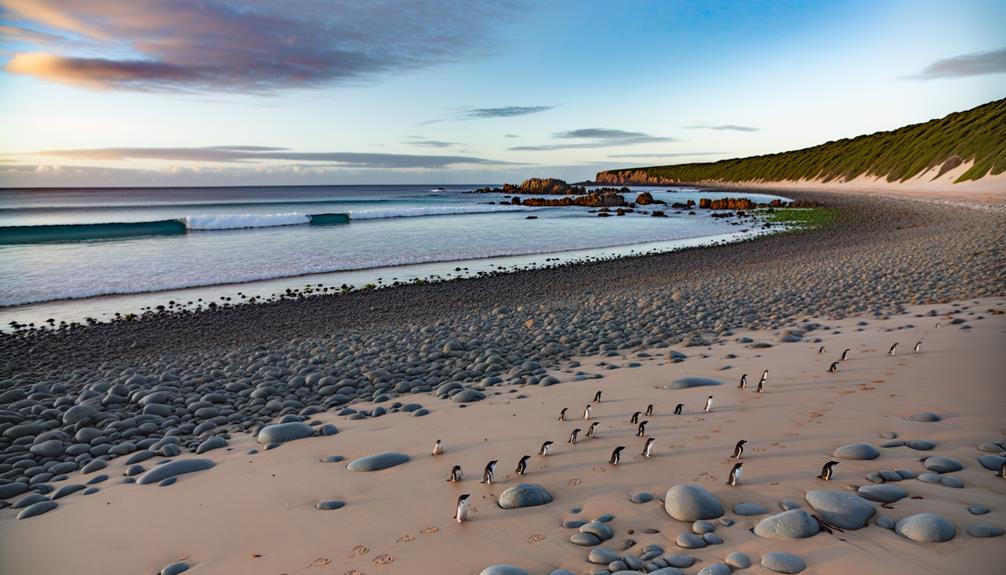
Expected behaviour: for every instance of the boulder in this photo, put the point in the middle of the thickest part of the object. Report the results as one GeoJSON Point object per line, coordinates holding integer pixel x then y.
{"type": "Point", "coordinates": [793, 524]}
{"type": "Point", "coordinates": [926, 528]}
{"type": "Point", "coordinates": [882, 493]}
{"type": "Point", "coordinates": [687, 382]}
{"type": "Point", "coordinates": [857, 451]}
{"type": "Point", "coordinates": [524, 495]}
{"type": "Point", "coordinates": [691, 503]}
{"type": "Point", "coordinates": [283, 432]}
{"type": "Point", "coordinates": [378, 462]}
{"type": "Point", "coordinates": [841, 509]}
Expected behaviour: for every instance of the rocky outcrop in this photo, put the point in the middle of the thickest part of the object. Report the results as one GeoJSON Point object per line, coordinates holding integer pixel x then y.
{"type": "Point", "coordinates": [727, 204]}
{"type": "Point", "coordinates": [537, 186]}
{"type": "Point", "coordinates": [627, 177]}
{"type": "Point", "coordinates": [598, 199]}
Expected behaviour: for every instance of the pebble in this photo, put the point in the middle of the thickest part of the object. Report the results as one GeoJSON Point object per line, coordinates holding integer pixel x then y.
{"type": "Point", "coordinates": [782, 562]}
{"type": "Point", "coordinates": [175, 568]}
{"type": "Point", "coordinates": [332, 459]}
{"type": "Point", "coordinates": [585, 539]}
{"type": "Point", "coordinates": [66, 490]}
{"type": "Point", "coordinates": [689, 541]}
{"type": "Point", "coordinates": [688, 382]}
{"type": "Point", "coordinates": [94, 465]}
{"type": "Point", "coordinates": [703, 527]}
{"type": "Point", "coordinates": [942, 464]}
{"type": "Point", "coordinates": [642, 497]}
{"type": "Point", "coordinates": [750, 509]}
{"type": "Point", "coordinates": [504, 570]}
{"type": "Point", "coordinates": [883, 493]}
{"type": "Point", "coordinates": [37, 509]}
{"type": "Point", "coordinates": [283, 432]}
{"type": "Point", "coordinates": [857, 451]}
{"type": "Point", "coordinates": [378, 461]}
{"type": "Point", "coordinates": [679, 561]}
{"type": "Point", "coordinates": [926, 417]}
{"type": "Point", "coordinates": [715, 569]}
{"type": "Point", "coordinates": [952, 481]}
{"type": "Point", "coordinates": [598, 529]}
{"type": "Point", "coordinates": [602, 556]}
{"type": "Point", "coordinates": [28, 500]}
{"type": "Point", "coordinates": [172, 469]}
{"type": "Point", "coordinates": [978, 510]}
{"type": "Point", "coordinates": [215, 442]}
{"type": "Point", "coordinates": [926, 528]}
{"type": "Point", "coordinates": [841, 509]}
{"type": "Point", "coordinates": [991, 462]}
{"type": "Point", "coordinates": [884, 521]}
{"type": "Point", "coordinates": [921, 444]}
{"type": "Point", "coordinates": [984, 531]}
{"type": "Point", "coordinates": [738, 560]}
{"type": "Point", "coordinates": [691, 502]}
{"type": "Point", "coordinates": [329, 504]}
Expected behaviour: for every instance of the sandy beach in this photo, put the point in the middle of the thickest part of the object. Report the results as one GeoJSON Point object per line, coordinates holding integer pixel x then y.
{"type": "Point", "coordinates": [521, 347]}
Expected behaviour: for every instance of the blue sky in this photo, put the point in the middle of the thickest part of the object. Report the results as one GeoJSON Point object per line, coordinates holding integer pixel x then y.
{"type": "Point", "coordinates": [100, 92]}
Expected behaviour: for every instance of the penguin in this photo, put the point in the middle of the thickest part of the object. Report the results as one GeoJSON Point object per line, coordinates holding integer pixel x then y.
{"type": "Point", "coordinates": [761, 382]}
{"type": "Point", "coordinates": [709, 403]}
{"type": "Point", "coordinates": [678, 408]}
{"type": "Point", "coordinates": [648, 448]}
{"type": "Point", "coordinates": [834, 367]}
{"type": "Point", "coordinates": [590, 430]}
{"type": "Point", "coordinates": [597, 397]}
{"type": "Point", "coordinates": [827, 470]}
{"type": "Point", "coordinates": [893, 347]}
{"type": "Point", "coordinates": [522, 465]}
{"type": "Point", "coordinates": [735, 474]}
{"type": "Point", "coordinates": [572, 436]}
{"type": "Point", "coordinates": [938, 324]}
{"type": "Point", "coordinates": [562, 414]}
{"type": "Point", "coordinates": [462, 512]}
{"type": "Point", "coordinates": [744, 382]}
{"type": "Point", "coordinates": [820, 350]}
{"type": "Point", "coordinates": [544, 448]}
{"type": "Point", "coordinates": [586, 412]}
{"type": "Point", "coordinates": [641, 430]}
{"type": "Point", "coordinates": [616, 455]}
{"type": "Point", "coordinates": [438, 448]}
{"type": "Point", "coordinates": [456, 474]}
{"type": "Point", "coordinates": [918, 347]}
{"type": "Point", "coordinates": [845, 354]}
{"type": "Point", "coordinates": [635, 417]}
{"type": "Point", "coordinates": [649, 410]}
{"type": "Point", "coordinates": [739, 449]}
{"type": "Point", "coordinates": [1002, 470]}
{"type": "Point", "coordinates": [487, 475]}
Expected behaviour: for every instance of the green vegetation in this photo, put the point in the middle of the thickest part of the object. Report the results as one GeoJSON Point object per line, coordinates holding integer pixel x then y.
{"type": "Point", "coordinates": [977, 135]}
{"type": "Point", "coordinates": [801, 218]}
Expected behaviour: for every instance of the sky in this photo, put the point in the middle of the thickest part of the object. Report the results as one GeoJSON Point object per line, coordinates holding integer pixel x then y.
{"type": "Point", "coordinates": [305, 92]}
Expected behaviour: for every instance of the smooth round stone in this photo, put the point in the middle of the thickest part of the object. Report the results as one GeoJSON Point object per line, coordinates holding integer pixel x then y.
{"type": "Point", "coordinates": [952, 481]}
{"type": "Point", "coordinates": [889, 435]}
{"type": "Point", "coordinates": [504, 570]}
{"type": "Point", "coordinates": [50, 448]}
{"type": "Point", "coordinates": [283, 432]}
{"type": "Point", "coordinates": [172, 469]}
{"type": "Point", "coordinates": [598, 529]}
{"type": "Point", "coordinates": [926, 417]}
{"type": "Point", "coordinates": [333, 459]}
{"type": "Point", "coordinates": [929, 477]}
{"type": "Point", "coordinates": [175, 568]}
{"type": "Point", "coordinates": [984, 531]}
{"type": "Point", "coordinates": [883, 493]}
{"type": "Point", "coordinates": [66, 490]}
{"type": "Point", "coordinates": [689, 541]}
{"type": "Point", "coordinates": [94, 465]}
{"type": "Point", "coordinates": [857, 451]}
{"type": "Point", "coordinates": [602, 556]}
{"type": "Point", "coordinates": [738, 560]}
{"type": "Point", "coordinates": [885, 522]}
{"type": "Point", "coordinates": [942, 464]}
{"type": "Point", "coordinates": [329, 504]}
{"type": "Point", "coordinates": [788, 504]}
{"type": "Point", "coordinates": [561, 572]}
{"type": "Point", "coordinates": [665, 571]}
{"type": "Point", "coordinates": [841, 509]}
{"type": "Point", "coordinates": [750, 509]}
{"type": "Point", "coordinates": [90, 491]}
{"type": "Point", "coordinates": [468, 396]}
{"type": "Point", "coordinates": [782, 562]}
{"type": "Point", "coordinates": [573, 523]}
{"type": "Point", "coordinates": [687, 382]}
{"type": "Point", "coordinates": [906, 474]}
{"type": "Point", "coordinates": [926, 528]}
{"type": "Point", "coordinates": [978, 510]}
{"type": "Point", "coordinates": [139, 456]}
{"type": "Point", "coordinates": [168, 482]}
{"type": "Point", "coordinates": [703, 527]}
{"type": "Point", "coordinates": [29, 499]}
{"type": "Point", "coordinates": [691, 503]}
{"type": "Point", "coordinates": [605, 518]}
{"type": "Point", "coordinates": [792, 524]}
{"type": "Point", "coordinates": [991, 462]}
{"type": "Point", "coordinates": [712, 539]}
{"type": "Point", "coordinates": [679, 561]}
{"type": "Point", "coordinates": [37, 509]}
{"type": "Point", "coordinates": [715, 569]}
{"type": "Point", "coordinates": [215, 442]}
{"type": "Point", "coordinates": [921, 444]}
{"type": "Point", "coordinates": [641, 497]}
{"type": "Point", "coordinates": [991, 447]}
{"type": "Point", "coordinates": [378, 462]}
{"type": "Point", "coordinates": [524, 495]}
{"type": "Point", "coordinates": [11, 489]}
{"type": "Point", "coordinates": [892, 443]}
{"type": "Point", "coordinates": [585, 539]}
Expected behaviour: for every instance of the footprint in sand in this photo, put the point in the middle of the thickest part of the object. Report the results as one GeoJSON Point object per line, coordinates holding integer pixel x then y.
{"type": "Point", "coordinates": [701, 437]}
{"type": "Point", "coordinates": [406, 538]}
{"type": "Point", "coordinates": [383, 559]}
{"type": "Point", "coordinates": [536, 538]}
{"type": "Point", "coordinates": [429, 530]}
{"type": "Point", "coordinates": [792, 434]}
{"type": "Point", "coordinates": [359, 550]}
{"type": "Point", "coordinates": [320, 562]}
{"type": "Point", "coordinates": [599, 469]}
{"type": "Point", "coordinates": [354, 572]}
{"type": "Point", "coordinates": [574, 482]}
{"type": "Point", "coordinates": [714, 430]}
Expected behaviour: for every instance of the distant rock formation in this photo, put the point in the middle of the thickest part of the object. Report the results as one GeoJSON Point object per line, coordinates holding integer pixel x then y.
{"type": "Point", "coordinates": [598, 199]}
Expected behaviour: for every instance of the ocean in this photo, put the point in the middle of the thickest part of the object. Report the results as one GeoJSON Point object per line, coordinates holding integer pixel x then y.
{"type": "Point", "coordinates": [58, 245]}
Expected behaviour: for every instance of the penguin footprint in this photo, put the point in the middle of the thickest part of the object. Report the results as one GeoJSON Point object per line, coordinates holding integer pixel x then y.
{"type": "Point", "coordinates": [536, 538]}
{"type": "Point", "coordinates": [429, 530]}
{"type": "Point", "coordinates": [320, 562]}
{"type": "Point", "coordinates": [360, 550]}
{"type": "Point", "coordinates": [406, 538]}
{"type": "Point", "coordinates": [383, 559]}
{"type": "Point", "coordinates": [574, 481]}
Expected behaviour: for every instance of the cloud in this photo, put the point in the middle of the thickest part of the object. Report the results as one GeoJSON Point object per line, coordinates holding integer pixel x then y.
{"type": "Point", "coordinates": [596, 138]}
{"type": "Point", "coordinates": [973, 64]}
{"type": "Point", "coordinates": [240, 154]}
{"type": "Point", "coordinates": [728, 127]}
{"type": "Point", "coordinates": [511, 136]}
{"type": "Point", "coordinates": [504, 112]}
{"type": "Point", "coordinates": [239, 45]}
{"type": "Point", "coordinates": [424, 143]}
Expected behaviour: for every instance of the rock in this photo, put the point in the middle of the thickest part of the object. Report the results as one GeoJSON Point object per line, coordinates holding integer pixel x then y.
{"type": "Point", "coordinates": [525, 495]}
{"type": "Point", "coordinates": [883, 493]}
{"type": "Point", "coordinates": [691, 503]}
{"type": "Point", "coordinates": [585, 539]}
{"type": "Point", "coordinates": [885, 522]}
{"type": "Point", "coordinates": [929, 477]}
{"type": "Point", "coordinates": [857, 451]}
{"type": "Point", "coordinates": [175, 568]}
{"type": "Point", "coordinates": [11, 489]}
{"type": "Point", "coordinates": [283, 432]}
{"type": "Point", "coordinates": [215, 442]}
{"type": "Point", "coordinates": [715, 569]}
{"type": "Point", "coordinates": [689, 541]}
{"type": "Point", "coordinates": [920, 444]}
{"type": "Point", "coordinates": [841, 509]}
{"type": "Point", "coordinates": [94, 465]}
{"type": "Point", "coordinates": [738, 560]}
{"type": "Point", "coordinates": [991, 462]}
{"type": "Point", "coordinates": [924, 417]}
{"type": "Point", "coordinates": [952, 481]}
{"type": "Point", "coordinates": [29, 500]}
{"type": "Point", "coordinates": [788, 504]}
{"type": "Point", "coordinates": [173, 469]}
{"type": "Point", "coordinates": [942, 464]}
{"type": "Point", "coordinates": [750, 509]}
{"type": "Point", "coordinates": [978, 510]}
{"type": "Point", "coordinates": [50, 448]}
{"type": "Point", "coordinates": [329, 504]}
{"type": "Point", "coordinates": [378, 462]}
{"type": "Point", "coordinates": [679, 561]}
{"type": "Point", "coordinates": [641, 497]}
{"type": "Point", "coordinates": [468, 396]}
{"type": "Point", "coordinates": [37, 509]}
{"type": "Point", "coordinates": [332, 459]}
{"type": "Point", "coordinates": [712, 539]}
{"type": "Point", "coordinates": [702, 527]}
{"type": "Point", "coordinates": [602, 556]}
{"type": "Point", "coordinates": [793, 524]}
{"type": "Point", "coordinates": [503, 570]}
{"type": "Point", "coordinates": [984, 531]}
{"type": "Point", "coordinates": [79, 413]}
{"type": "Point", "coordinates": [687, 382]}
{"type": "Point", "coordinates": [66, 490]}
{"type": "Point", "coordinates": [782, 562]}
{"type": "Point", "coordinates": [926, 528]}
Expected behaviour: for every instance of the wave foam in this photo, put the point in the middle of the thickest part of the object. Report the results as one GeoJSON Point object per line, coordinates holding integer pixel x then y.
{"type": "Point", "coordinates": [243, 221]}
{"type": "Point", "coordinates": [417, 211]}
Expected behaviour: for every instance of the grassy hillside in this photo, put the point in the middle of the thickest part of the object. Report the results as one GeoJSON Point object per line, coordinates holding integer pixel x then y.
{"type": "Point", "coordinates": [977, 135]}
